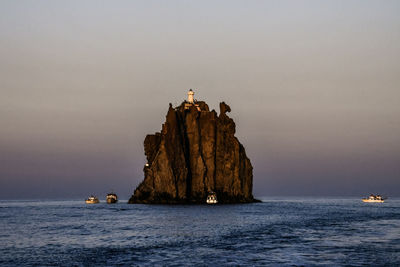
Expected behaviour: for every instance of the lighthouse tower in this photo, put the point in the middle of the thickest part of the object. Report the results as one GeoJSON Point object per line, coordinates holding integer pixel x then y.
{"type": "Point", "coordinates": [190, 101]}
{"type": "Point", "coordinates": [191, 96]}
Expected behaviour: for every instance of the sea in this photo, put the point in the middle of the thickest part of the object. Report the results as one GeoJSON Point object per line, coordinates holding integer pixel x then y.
{"type": "Point", "coordinates": [277, 232]}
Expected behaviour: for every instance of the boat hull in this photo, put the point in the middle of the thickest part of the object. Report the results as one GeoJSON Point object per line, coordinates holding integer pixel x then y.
{"type": "Point", "coordinates": [111, 201]}
{"type": "Point", "coordinates": [92, 201]}
{"type": "Point", "coordinates": [373, 200]}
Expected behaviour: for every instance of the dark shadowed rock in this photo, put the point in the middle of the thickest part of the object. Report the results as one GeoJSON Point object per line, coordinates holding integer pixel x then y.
{"type": "Point", "coordinates": [195, 153]}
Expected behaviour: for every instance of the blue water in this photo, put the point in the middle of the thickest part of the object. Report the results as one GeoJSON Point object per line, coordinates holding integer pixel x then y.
{"type": "Point", "coordinates": [287, 232]}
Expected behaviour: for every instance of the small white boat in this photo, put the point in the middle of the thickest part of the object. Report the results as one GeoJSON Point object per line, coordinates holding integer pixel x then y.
{"type": "Point", "coordinates": [92, 200]}
{"type": "Point", "coordinates": [374, 198]}
{"type": "Point", "coordinates": [112, 198]}
{"type": "Point", "coordinates": [212, 198]}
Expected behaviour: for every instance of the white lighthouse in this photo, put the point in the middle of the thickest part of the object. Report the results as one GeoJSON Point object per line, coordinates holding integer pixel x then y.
{"type": "Point", "coordinates": [191, 96]}
{"type": "Point", "coordinates": [190, 101]}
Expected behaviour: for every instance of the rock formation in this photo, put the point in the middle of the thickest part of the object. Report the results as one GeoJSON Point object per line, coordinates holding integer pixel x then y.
{"type": "Point", "coordinates": [195, 153]}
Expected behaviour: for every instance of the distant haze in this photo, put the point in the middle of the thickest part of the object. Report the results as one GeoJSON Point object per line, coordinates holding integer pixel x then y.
{"type": "Point", "coordinates": [314, 88]}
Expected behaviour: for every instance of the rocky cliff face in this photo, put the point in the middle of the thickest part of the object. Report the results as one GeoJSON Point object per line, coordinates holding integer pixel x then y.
{"type": "Point", "coordinates": [195, 153]}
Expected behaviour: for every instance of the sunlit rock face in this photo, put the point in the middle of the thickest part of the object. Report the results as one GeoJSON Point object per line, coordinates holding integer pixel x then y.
{"type": "Point", "coordinates": [195, 153]}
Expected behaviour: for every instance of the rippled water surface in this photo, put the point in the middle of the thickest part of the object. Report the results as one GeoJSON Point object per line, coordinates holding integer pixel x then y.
{"type": "Point", "coordinates": [301, 231]}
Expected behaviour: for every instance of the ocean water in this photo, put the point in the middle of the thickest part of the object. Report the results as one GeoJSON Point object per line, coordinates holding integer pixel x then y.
{"type": "Point", "coordinates": [277, 232]}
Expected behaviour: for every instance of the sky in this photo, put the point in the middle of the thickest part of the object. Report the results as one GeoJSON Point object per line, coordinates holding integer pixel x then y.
{"type": "Point", "coordinates": [314, 88]}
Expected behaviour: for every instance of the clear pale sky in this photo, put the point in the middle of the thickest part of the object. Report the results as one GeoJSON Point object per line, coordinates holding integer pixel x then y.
{"type": "Point", "coordinates": [314, 88]}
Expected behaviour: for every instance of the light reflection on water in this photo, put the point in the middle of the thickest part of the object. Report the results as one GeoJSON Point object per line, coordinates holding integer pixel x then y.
{"type": "Point", "coordinates": [292, 231]}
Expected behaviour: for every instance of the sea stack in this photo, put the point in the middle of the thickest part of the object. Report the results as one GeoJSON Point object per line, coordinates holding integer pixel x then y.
{"type": "Point", "coordinates": [195, 153]}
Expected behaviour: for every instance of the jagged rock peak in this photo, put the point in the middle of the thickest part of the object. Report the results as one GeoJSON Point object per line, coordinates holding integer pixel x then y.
{"type": "Point", "coordinates": [195, 153]}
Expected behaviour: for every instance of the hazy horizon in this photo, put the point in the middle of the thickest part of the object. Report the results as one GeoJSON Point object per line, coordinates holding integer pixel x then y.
{"type": "Point", "coordinates": [314, 88]}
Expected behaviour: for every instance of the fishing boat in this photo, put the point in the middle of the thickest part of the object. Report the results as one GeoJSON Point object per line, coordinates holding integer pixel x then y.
{"type": "Point", "coordinates": [374, 198]}
{"type": "Point", "coordinates": [212, 198]}
{"type": "Point", "coordinates": [92, 200]}
{"type": "Point", "coordinates": [112, 198]}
